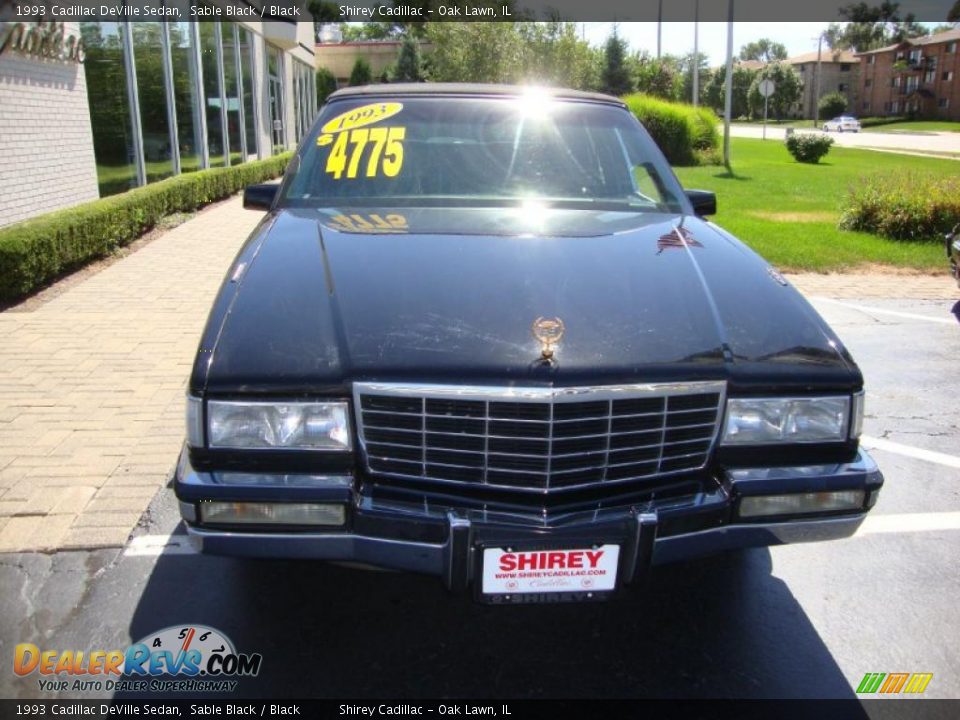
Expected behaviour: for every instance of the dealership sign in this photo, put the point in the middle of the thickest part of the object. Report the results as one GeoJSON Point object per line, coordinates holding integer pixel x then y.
{"type": "Point", "coordinates": [41, 39]}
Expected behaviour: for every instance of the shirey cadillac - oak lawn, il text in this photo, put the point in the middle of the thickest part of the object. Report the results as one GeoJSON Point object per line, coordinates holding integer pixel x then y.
{"type": "Point", "coordinates": [483, 333]}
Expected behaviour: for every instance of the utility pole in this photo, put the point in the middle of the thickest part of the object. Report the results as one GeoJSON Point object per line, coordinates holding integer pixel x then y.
{"type": "Point", "coordinates": [696, 53]}
{"type": "Point", "coordinates": [659, 24]}
{"type": "Point", "coordinates": [816, 99]}
{"type": "Point", "coordinates": [728, 100]}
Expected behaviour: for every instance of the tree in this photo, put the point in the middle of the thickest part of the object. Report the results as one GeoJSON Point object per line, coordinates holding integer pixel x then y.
{"type": "Point", "coordinates": [615, 78]}
{"type": "Point", "coordinates": [555, 55]}
{"type": "Point", "coordinates": [353, 32]}
{"type": "Point", "coordinates": [742, 80]}
{"type": "Point", "coordinates": [786, 92]}
{"type": "Point", "coordinates": [326, 84]}
{"type": "Point", "coordinates": [475, 52]}
{"type": "Point", "coordinates": [686, 66]}
{"type": "Point", "coordinates": [361, 74]}
{"type": "Point", "coordinates": [658, 77]}
{"type": "Point", "coordinates": [832, 105]}
{"type": "Point", "coordinates": [764, 50]}
{"type": "Point", "coordinates": [870, 28]}
{"type": "Point", "coordinates": [408, 64]}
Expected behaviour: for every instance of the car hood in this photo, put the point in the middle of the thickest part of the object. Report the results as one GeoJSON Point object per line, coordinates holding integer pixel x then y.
{"type": "Point", "coordinates": [318, 299]}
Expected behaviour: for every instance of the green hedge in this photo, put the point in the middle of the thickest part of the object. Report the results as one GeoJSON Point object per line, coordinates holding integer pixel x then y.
{"type": "Point", "coordinates": [888, 120]}
{"type": "Point", "coordinates": [686, 135]}
{"type": "Point", "coordinates": [903, 206]}
{"type": "Point", "coordinates": [36, 251]}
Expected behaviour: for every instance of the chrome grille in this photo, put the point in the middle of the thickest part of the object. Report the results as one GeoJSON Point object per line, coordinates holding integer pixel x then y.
{"type": "Point", "coordinates": [537, 439]}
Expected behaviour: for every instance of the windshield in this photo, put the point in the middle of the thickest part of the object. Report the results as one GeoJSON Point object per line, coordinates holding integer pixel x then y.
{"type": "Point", "coordinates": [480, 151]}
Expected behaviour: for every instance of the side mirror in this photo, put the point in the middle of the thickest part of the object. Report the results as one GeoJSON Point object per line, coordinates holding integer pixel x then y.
{"type": "Point", "coordinates": [259, 197]}
{"type": "Point", "coordinates": [704, 202]}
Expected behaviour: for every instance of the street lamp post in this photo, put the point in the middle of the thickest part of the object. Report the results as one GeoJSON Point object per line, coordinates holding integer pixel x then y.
{"type": "Point", "coordinates": [696, 53]}
{"type": "Point", "coordinates": [728, 100]}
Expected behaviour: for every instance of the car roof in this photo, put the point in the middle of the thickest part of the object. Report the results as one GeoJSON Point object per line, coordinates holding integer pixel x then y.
{"type": "Point", "coordinates": [467, 90]}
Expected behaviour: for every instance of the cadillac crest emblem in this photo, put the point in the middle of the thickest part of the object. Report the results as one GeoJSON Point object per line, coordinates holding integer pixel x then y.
{"type": "Point", "coordinates": [548, 331]}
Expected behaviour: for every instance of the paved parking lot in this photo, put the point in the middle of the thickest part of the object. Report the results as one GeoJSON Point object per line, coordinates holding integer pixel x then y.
{"type": "Point", "coordinates": [936, 143]}
{"type": "Point", "coordinates": [90, 421]}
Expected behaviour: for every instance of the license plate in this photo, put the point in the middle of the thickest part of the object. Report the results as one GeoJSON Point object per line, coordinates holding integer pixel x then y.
{"type": "Point", "coordinates": [516, 572]}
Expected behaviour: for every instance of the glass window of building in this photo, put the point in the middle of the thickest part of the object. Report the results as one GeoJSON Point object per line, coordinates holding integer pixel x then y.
{"type": "Point", "coordinates": [152, 97]}
{"type": "Point", "coordinates": [231, 87]}
{"type": "Point", "coordinates": [211, 90]}
{"type": "Point", "coordinates": [109, 106]}
{"type": "Point", "coordinates": [245, 49]}
{"type": "Point", "coordinates": [275, 89]}
{"type": "Point", "coordinates": [186, 95]}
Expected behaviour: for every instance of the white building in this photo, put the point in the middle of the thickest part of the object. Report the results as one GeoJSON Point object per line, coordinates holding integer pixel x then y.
{"type": "Point", "coordinates": [90, 109]}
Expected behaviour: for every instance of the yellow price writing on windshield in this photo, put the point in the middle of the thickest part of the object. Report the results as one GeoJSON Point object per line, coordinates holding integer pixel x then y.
{"type": "Point", "coordinates": [361, 116]}
{"type": "Point", "coordinates": [346, 155]}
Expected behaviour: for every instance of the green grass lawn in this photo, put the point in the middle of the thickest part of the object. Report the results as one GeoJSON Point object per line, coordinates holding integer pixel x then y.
{"type": "Point", "coordinates": [916, 126]}
{"type": "Point", "coordinates": [788, 211]}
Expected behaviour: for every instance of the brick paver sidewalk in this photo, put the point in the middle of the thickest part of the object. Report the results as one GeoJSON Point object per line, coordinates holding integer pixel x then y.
{"type": "Point", "coordinates": [92, 382]}
{"type": "Point", "coordinates": [913, 287]}
{"type": "Point", "coordinates": [92, 387]}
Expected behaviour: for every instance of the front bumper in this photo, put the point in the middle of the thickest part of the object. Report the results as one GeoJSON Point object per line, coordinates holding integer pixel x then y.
{"type": "Point", "coordinates": [438, 539]}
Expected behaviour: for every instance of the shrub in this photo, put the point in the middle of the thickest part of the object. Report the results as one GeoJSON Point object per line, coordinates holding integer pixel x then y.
{"type": "Point", "coordinates": [685, 134]}
{"type": "Point", "coordinates": [361, 74]}
{"type": "Point", "coordinates": [36, 251]}
{"type": "Point", "coordinates": [887, 120]}
{"type": "Point", "coordinates": [326, 85]}
{"type": "Point", "coordinates": [903, 206]}
{"type": "Point", "coordinates": [832, 105]}
{"type": "Point", "coordinates": [808, 147]}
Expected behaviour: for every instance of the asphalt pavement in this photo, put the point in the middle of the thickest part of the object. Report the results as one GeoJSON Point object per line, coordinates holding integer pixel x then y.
{"type": "Point", "coordinates": [893, 141]}
{"type": "Point", "coordinates": [803, 621]}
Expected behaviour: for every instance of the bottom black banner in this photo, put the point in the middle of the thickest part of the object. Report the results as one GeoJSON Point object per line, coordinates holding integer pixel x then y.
{"type": "Point", "coordinates": [501, 709]}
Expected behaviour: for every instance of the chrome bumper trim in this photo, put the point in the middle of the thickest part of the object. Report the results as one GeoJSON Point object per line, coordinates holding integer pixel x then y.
{"type": "Point", "coordinates": [453, 559]}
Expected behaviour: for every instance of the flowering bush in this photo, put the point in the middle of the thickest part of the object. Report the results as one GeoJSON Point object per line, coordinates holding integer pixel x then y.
{"type": "Point", "coordinates": [904, 206]}
{"type": "Point", "coordinates": [808, 147]}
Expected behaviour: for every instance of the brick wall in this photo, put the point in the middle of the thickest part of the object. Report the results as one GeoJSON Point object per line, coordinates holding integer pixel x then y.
{"type": "Point", "coordinates": [46, 147]}
{"type": "Point", "coordinates": [879, 95]}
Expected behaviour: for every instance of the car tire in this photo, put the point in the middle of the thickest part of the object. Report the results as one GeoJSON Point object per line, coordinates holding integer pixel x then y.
{"type": "Point", "coordinates": [826, 129]}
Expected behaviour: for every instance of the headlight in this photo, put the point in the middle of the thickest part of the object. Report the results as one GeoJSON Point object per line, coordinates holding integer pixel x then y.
{"type": "Point", "coordinates": [283, 425]}
{"type": "Point", "coordinates": [762, 421]}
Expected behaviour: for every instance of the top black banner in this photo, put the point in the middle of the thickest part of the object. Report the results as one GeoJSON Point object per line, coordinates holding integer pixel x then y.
{"type": "Point", "coordinates": [320, 11]}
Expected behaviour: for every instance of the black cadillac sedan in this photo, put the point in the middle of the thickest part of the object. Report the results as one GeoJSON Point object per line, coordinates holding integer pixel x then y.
{"type": "Point", "coordinates": [483, 333]}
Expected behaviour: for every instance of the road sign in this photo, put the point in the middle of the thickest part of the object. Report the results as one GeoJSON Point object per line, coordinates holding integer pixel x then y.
{"type": "Point", "coordinates": [767, 87]}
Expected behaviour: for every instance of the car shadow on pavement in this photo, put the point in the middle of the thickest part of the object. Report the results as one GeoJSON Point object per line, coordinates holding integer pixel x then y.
{"type": "Point", "coordinates": [717, 627]}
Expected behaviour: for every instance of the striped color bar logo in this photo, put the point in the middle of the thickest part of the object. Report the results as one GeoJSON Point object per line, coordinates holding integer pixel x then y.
{"type": "Point", "coordinates": [894, 683]}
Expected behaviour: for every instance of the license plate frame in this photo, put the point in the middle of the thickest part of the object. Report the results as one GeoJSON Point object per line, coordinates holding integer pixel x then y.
{"type": "Point", "coordinates": [573, 588]}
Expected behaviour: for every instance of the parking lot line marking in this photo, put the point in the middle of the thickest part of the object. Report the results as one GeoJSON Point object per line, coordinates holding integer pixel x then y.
{"type": "Point", "coordinates": [882, 311]}
{"type": "Point", "coordinates": [154, 545]}
{"type": "Point", "coordinates": [910, 522]}
{"type": "Point", "coordinates": [872, 443]}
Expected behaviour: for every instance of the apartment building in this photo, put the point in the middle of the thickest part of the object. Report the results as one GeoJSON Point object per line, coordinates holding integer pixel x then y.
{"type": "Point", "coordinates": [919, 77]}
{"type": "Point", "coordinates": [838, 72]}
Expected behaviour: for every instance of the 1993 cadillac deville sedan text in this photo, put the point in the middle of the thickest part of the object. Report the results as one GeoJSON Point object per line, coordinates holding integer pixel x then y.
{"type": "Point", "coordinates": [482, 333]}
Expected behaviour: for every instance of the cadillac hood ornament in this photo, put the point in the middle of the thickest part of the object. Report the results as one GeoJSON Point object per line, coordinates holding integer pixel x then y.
{"type": "Point", "coordinates": [548, 331]}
